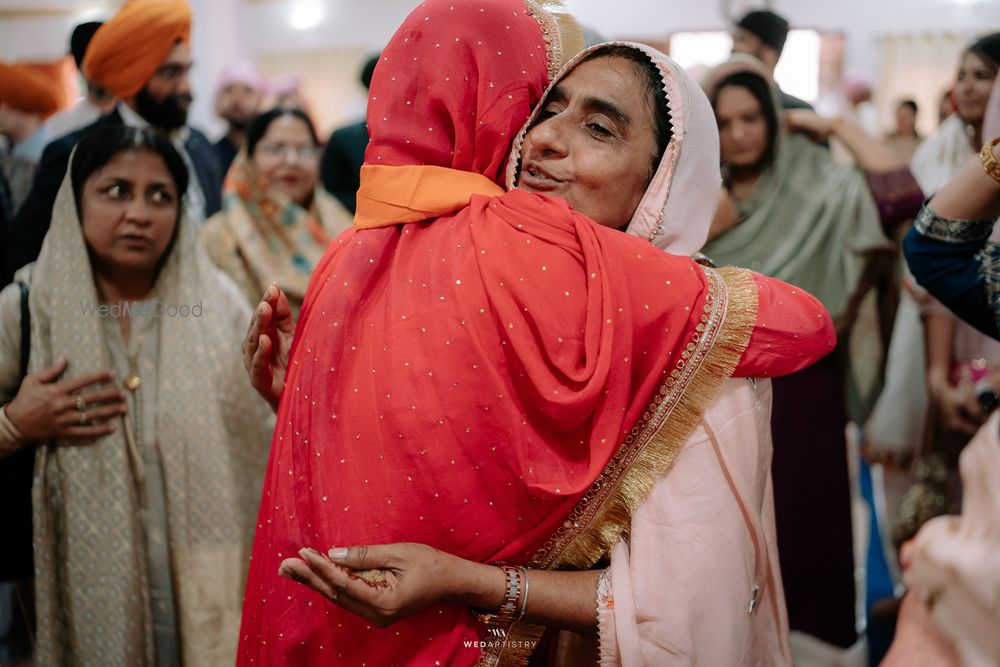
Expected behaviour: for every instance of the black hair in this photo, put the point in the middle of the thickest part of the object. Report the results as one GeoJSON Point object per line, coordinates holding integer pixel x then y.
{"type": "Point", "coordinates": [100, 145]}
{"type": "Point", "coordinates": [910, 104]}
{"type": "Point", "coordinates": [761, 90]}
{"type": "Point", "coordinates": [369, 70]}
{"type": "Point", "coordinates": [257, 128]}
{"type": "Point", "coordinates": [988, 48]}
{"type": "Point", "coordinates": [656, 94]}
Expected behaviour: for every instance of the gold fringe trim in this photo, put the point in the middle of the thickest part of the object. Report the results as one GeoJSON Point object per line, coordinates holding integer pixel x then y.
{"type": "Point", "coordinates": [563, 34]}
{"type": "Point", "coordinates": [656, 453]}
{"type": "Point", "coordinates": [571, 36]}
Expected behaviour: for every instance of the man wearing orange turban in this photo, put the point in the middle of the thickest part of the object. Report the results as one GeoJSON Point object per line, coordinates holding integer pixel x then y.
{"type": "Point", "coordinates": [141, 56]}
{"type": "Point", "coordinates": [26, 100]}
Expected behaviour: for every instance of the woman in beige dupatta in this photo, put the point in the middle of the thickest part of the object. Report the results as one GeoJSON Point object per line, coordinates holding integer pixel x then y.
{"type": "Point", "coordinates": [275, 221]}
{"type": "Point", "coordinates": [143, 521]}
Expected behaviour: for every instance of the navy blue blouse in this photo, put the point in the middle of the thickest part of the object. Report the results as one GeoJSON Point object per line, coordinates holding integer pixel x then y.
{"type": "Point", "coordinates": [955, 261]}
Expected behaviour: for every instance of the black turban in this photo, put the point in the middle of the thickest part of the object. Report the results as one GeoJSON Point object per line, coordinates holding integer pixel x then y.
{"type": "Point", "coordinates": [767, 26]}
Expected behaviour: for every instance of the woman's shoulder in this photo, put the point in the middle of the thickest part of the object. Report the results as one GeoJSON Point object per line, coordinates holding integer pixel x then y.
{"type": "Point", "coordinates": [217, 238]}
{"type": "Point", "coordinates": [214, 230]}
{"type": "Point", "coordinates": [812, 163]}
{"type": "Point", "coordinates": [12, 292]}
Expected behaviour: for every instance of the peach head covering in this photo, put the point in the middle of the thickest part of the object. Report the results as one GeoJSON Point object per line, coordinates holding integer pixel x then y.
{"type": "Point", "coordinates": [26, 90]}
{"type": "Point", "coordinates": [127, 50]}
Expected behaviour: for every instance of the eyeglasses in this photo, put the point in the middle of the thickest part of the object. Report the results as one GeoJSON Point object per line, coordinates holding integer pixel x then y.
{"type": "Point", "coordinates": [300, 153]}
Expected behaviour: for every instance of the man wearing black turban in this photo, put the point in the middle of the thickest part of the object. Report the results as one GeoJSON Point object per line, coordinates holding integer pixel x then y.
{"type": "Point", "coordinates": [762, 35]}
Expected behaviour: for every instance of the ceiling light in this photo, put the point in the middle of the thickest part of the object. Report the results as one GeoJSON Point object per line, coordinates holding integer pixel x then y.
{"type": "Point", "coordinates": [306, 14]}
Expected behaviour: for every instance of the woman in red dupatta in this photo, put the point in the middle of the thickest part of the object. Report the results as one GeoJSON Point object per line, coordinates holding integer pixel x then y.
{"type": "Point", "coordinates": [492, 378]}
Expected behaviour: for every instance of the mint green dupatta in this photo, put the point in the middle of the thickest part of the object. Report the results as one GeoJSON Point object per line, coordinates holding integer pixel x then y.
{"type": "Point", "coordinates": [810, 222]}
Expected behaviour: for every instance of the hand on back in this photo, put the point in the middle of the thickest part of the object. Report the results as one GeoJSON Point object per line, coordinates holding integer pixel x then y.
{"type": "Point", "coordinates": [267, 344]}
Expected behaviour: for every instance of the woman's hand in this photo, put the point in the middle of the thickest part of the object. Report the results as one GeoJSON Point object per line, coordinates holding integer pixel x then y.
{"type": "Point", "coordinates": [809, 122]}
{"type": "Point", "coordinates": [267, 344]}
{"type": "Point", "coordinates": [959, 407]}
{"type": "Point", "coordinates": [386, 583]}
{"type": "Point", "coordinates": [46, 407]}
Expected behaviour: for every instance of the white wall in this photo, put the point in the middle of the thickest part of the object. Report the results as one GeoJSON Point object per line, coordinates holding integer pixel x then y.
{"type": "Point", "coordinates": [860, 20]}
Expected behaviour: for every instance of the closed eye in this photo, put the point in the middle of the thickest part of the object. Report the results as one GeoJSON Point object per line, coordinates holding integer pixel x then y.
{"type": "Point", "coordinates": [599, 129]}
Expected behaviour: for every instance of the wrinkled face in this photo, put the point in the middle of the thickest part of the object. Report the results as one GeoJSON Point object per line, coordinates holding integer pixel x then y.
{"type": "Point", "coordinates": [972, 90]}
{"type": "Point", "coordinates": [129, 209]}
{"type": "Point", "coordinates": [743, 135]}
{"type": "Point", "coordinates": [594, 141]}
{"type": "Point", "coordinates": [166, 97]}
{"type": "Point", "coordinates": [287, 159]}
{"type": "Point", "coordinates": [906, 121]}
{"type": "Point", "coordinates": [237, 104]}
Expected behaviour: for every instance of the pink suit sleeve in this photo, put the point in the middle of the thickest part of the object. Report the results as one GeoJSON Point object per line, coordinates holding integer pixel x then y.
{"type": "Point", "coordinates": [793, 331]}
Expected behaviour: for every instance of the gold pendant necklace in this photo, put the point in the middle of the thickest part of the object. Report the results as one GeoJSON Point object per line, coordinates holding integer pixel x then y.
{"type": "Point", "coordinates": [132, 380]}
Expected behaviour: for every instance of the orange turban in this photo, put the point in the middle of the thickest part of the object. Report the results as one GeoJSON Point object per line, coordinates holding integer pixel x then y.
{"type": "Point", "coordinates": [126, 51]}
{"type": "Point", "coordinates": [24, 89]}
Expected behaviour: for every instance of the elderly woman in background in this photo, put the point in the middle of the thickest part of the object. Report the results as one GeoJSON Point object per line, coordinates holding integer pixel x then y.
{"type": "Point", "coordinates": [276, 220]}
{"type": "Point", "coordinates": [149, 445]}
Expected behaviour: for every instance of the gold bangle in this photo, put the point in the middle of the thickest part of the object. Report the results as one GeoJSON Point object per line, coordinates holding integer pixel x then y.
{"type": "Point", "coordinates": [990, 164]}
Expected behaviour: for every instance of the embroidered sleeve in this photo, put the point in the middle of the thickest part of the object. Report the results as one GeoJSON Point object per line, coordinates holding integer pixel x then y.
{"type": "Point", "coordinates": [931, 225]}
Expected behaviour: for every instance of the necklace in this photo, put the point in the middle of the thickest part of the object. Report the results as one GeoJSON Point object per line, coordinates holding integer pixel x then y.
{"type": "Point", "coordinates": [132, 380]}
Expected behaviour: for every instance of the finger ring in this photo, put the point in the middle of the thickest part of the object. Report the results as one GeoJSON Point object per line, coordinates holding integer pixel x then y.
{"type": "Point", "coordinates": [83, 417]}
{"type": "Point", "coordinates": [81, 404]}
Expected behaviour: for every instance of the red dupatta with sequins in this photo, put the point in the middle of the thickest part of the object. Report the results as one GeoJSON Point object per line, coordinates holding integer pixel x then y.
{"type": "Point", "coordinates": [484, 381]}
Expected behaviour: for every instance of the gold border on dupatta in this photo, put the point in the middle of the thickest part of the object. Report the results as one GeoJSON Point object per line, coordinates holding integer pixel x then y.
{"type": "Point", "coordinates": [604, 513]}
{"type": "Point", "coordinates": [562, 34]}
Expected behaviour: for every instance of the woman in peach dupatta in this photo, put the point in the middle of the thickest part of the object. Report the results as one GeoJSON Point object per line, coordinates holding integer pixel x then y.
{"type": "Point", "coordinates": [699, 560]}
{"type": "Point", "coordinates": [486, 373]}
